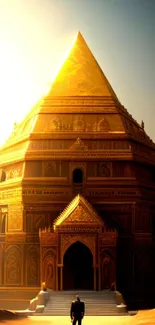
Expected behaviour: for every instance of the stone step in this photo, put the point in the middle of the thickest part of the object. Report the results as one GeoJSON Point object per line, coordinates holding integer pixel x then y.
{"type": "Point", "coordinates": [96, 303]}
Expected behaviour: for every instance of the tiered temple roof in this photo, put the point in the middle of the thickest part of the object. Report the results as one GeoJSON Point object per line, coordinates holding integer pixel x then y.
{"type": "Point", "coordinates": [79, 87]}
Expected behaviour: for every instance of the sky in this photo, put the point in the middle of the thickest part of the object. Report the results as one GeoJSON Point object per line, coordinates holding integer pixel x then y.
{"type": "Point", "coordinates": [35, 34]}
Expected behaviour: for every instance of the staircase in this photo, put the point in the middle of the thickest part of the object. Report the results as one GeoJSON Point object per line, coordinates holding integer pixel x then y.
{"type": "Point", "coordinates": [97, 303]}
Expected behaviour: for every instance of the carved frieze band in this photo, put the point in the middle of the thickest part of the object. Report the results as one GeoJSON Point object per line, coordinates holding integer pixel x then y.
{"type": "Point", "coordinates": [84, 144]}
{"type": "Point", "coordinates": [90, 191]}
{"type": "Point", "coordinates": [54, 155]}
{"type": "Point", "coordinates": [78, 229]}
{"type": "Point", "coordinates": [78, 103]}
{"type": "Point", "coordinates": [10, 194]}
{"type": "Point", "coordinates": [48, 239]}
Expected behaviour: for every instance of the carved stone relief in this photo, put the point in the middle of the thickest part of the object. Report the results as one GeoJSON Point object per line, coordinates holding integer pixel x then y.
{"type": "Point", "coordinates": [103, 170]}
{"type": "Point", "coordinates": [78, 145]}
{"type": "Point", "coordinates": [106, 272]}
{"type": "Point", "coordinates": [15, 217]}
{"type": "Point", "coordinates": [49, 269]}
{"type": "Point", "coordinates": [76, 123]}
{"type": "Point", "coordinates": [14, 171]}
{"type": "Point", "coordinates": [32, 266]}
{"type": "Point", "coordinates": [50, 169]}
{"type": "Point", "coordinates": [103, 125]}
{"type": "Point", "coordinates": [12, 265]}
{"type": "Point", "coordinates": [68, 240]}
{"type": "Point", "coordinates": [67, 144]}
{"type": "Point", "coordinates": [53, 125]}
{"type": "Point", "coordinates": [80, 216]}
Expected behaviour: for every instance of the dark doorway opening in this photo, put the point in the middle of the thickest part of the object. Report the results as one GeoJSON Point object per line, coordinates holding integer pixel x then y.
{"type": "Point", "coordinates": [77, 176]}
{"type": "Point", "coordinates": [78, 268]}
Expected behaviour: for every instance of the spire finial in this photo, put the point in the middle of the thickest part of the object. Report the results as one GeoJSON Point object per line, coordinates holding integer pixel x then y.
{"type": "Point", "coordinates": [142, 124]}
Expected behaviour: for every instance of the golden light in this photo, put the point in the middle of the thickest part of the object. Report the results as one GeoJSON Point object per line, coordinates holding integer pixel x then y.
{"type": "Point", "coordinates": [65, 48]}
{"type": "Point", "coordinates": [20, 86]}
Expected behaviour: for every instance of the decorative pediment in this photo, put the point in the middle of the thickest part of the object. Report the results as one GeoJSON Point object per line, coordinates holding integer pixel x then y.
{"type": "Point", "coordinates": [79, 212]}
{"type": "Point", "coordinates": [78, 145]}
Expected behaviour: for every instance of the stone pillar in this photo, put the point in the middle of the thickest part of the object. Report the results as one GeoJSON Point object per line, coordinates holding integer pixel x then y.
{"type": "Point", "coordinates": [57, 278]}
{"type": "Point", "coordinates": [60, 278]}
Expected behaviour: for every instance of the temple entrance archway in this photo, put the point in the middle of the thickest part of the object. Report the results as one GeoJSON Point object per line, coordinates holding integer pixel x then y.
{"type": "Point", "coordinates": [78, 268]}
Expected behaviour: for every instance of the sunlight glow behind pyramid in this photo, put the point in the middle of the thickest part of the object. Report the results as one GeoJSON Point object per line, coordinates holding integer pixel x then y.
{"type": "Point", "coordinates": [80, 74]}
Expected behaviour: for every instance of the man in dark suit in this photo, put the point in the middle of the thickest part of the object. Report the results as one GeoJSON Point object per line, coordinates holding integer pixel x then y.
{"type": "Point", "coordinates": [77, 311]}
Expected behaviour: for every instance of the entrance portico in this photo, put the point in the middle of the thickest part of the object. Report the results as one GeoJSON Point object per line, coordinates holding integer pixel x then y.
{"type": "Point", "coordinates": [79, 234]}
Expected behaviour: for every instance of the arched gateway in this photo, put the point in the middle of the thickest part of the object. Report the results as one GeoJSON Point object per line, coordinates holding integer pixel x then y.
{"type": "Point", "coordinates": [78, 268]}
{"type": "Point", "coordinates": [79, 252]}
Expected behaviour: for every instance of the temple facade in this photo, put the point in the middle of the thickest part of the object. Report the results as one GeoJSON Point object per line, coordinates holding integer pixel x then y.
{"type": "Point", "coordinates": [77, 189]}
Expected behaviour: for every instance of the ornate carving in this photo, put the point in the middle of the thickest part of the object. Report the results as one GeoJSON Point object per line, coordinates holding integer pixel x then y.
{"type": "Point", "coordinates": [80, 211]}
{"type": "Point", "coordinates": [35, 221]}
{"type": "Point", "coordinates": [86, 102]}
{"type": "Point", "coordinates": [80, 216]}
{"type": "Point", "coordinates": [67, 124]}
{"type": "Point", "coordinates": [9, 194]}
{"type": "Point", "coordinates": [12, 265]}
{"type": "Point", "coordinates": [78, 124]}
{"type": "Point", "coordinates": [15, 238]}
{"type": "Point", "coordinates": [56, 192]}
{"type": "Point", "coordinates": [68, 240]}
{"type": "Point", "coordinates": [53, 125]}
{"type": "Point", "coordinates": [48, 238]}
{"type": "Point", "coordinates": [80, 156]}
{"type": "Point", "coordinates": [106, 272]}
{"type": "Point", "coordinates": [32, 266]}
{"type": "Point", "coordinates": [66, 144]}
{"type": "Point", "coordinates": [79, 228]}
{"type": "Point", "coordinates": [107, 192]}
{"type": "Point", "coordinates": [103, 171]}
{"type": "Point", "coordinates": [49, 269]}
{"type": "Point", "coordinates": [50, 169]}
{"type": "Point", "coordinates": [103, 125]}
{"type": "Point", "coordinates": [15, 217]}
{"type": "Point", "coordinates": [78, 145]}
{"type": "Point", "coordinates": [14, 171]}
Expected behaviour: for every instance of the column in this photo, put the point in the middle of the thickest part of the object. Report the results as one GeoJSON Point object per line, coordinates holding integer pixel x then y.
{"type": "Point", "coordinates": [57, 277]}
{"type": "Point", "coordinates": [60, 277]}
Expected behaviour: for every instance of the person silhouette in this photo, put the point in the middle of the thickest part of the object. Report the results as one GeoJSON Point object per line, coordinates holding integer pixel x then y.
{"type": "Point", "coordinates": [77, 311]}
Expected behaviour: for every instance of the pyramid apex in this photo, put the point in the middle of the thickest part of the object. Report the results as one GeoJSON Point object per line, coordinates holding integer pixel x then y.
{"type": "Point", "coordinates": [80, 74]}
{"type": "Point", "coordinates": [79, 34]}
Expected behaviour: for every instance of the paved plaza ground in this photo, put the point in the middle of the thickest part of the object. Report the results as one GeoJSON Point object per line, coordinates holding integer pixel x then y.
{"type": "Point", "coordinates": [142, 318]}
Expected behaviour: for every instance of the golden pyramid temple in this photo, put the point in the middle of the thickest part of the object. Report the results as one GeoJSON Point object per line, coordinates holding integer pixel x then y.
{"type": "Point", "coordinates": [77, 190]}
